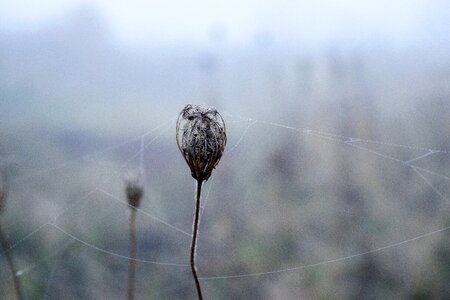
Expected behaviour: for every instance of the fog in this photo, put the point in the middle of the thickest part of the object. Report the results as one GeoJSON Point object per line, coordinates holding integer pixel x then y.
{"type": "Point", "coordinates": [335, 178]}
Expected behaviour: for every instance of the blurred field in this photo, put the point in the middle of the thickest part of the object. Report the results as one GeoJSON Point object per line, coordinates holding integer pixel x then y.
{"type": "Point", "coordinates": [325, 162]}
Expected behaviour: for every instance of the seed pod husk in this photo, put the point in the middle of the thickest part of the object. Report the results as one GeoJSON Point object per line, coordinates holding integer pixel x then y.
{"type": "Point", "coordinates": [201, 138]}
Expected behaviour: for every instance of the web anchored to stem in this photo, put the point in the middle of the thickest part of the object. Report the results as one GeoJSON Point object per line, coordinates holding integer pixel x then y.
{"type": "Point", "coordinates": [246, 126]}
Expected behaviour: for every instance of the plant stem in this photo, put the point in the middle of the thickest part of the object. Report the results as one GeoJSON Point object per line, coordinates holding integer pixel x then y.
{"type": "Point", "coordinates": [8, 255]}
{"type": "Point", "coordinates": [133, 254]}
{"type": "Point", "coordinates": [194, 238]}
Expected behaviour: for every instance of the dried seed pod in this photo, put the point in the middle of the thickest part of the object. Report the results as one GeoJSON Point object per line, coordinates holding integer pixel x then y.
{"type": "Point", "coordinates": [202, 140]}
{"type": "Point", "coordinates": [3, 191]}
{"type": "Point", "coordinates": [134, 188]}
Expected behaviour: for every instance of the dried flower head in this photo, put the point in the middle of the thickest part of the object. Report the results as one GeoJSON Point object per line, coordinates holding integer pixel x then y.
{"type": "Point", "coordinates": [3, 191]}
{"type": "Point", "coordinates": [203, 139]}
{"type": "Point", "coordinates": [134, 188]}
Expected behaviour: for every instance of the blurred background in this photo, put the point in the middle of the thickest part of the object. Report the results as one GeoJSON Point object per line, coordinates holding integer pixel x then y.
{"type": "Point", "coordinates": [338, 137]}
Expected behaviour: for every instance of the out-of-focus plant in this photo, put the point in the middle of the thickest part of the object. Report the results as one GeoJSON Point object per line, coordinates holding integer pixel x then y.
{"type": "Point", "coordinates": [134, 190]}
{"type": "Point", "coordinates": [5, 244]}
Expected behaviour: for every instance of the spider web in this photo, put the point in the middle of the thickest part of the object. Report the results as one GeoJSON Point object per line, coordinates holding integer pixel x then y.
{"type": "Point", "coordinates": [89, 223]}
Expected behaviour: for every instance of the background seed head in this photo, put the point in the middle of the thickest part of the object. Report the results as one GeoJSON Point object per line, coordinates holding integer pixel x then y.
{"type": "Point", "coordinates": [201, 138]}
{"type": "Point", "coordinates": [134, 188]}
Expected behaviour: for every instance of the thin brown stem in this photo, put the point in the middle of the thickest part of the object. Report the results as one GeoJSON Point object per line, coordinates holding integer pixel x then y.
{"type": "Point", "coordinates": [194, 238]}
{"type": "Point", "coordinates": [8, 255]}
{"type": "Point", "coordinates": [133, 254]}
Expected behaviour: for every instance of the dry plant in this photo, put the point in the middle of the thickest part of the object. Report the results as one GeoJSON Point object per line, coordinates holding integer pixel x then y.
{"type": "Point", "coordinates": [134, 190]}
{"type": "Point", "coordinates": [201, 138]}
{"type": "Point", "coordinates": [4, 241]}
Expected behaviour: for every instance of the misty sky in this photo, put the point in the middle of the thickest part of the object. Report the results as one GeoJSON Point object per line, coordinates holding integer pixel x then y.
{"type": "Point", "coordinates": [312, 21]}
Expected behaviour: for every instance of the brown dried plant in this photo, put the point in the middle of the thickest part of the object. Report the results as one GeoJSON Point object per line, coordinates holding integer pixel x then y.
{"type": "Point", "coordinates": [5, 244]}
{"type": "Point", "coordinates": [201, 138]}
{"type": "Point", "coordinates": [134, 191]}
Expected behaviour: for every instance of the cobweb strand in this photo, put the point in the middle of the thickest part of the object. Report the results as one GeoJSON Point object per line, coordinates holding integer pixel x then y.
{"type": "Point", "coordinates": [326, 262]}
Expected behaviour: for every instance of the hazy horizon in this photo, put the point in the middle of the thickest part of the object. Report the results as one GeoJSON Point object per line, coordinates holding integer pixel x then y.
{"type": "Point", "coordinates": [204, 23]}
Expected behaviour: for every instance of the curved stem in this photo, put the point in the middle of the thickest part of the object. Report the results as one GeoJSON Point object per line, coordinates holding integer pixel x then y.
{"type": "Point", "coordinates": [194, 238]}
{"type": "Point", "coordinates": [6, 248]}
{"type": "Point", "coordinates": [133, 254]}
